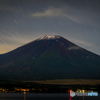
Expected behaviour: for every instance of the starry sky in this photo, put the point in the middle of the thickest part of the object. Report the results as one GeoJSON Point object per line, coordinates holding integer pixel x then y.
{"type": "Point", "coordinates": [22, 21]}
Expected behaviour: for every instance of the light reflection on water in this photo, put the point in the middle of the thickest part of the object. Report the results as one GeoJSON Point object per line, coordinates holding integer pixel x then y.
{"type": "Point", "coordinates": [42, 96]}
{"type": "Point", "coordinates": [24, 95]}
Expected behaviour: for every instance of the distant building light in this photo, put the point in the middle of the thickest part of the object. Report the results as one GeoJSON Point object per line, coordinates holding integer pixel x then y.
{"type": "Point", "coordinates": [83, 91]}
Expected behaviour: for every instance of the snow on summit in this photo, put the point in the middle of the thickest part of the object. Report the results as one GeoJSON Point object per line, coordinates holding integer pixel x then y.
{"type": "Point", "coordinates": [47, 37]}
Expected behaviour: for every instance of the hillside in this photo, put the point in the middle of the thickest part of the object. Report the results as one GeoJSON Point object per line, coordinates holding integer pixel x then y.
{"type": "Point", "coordinates": [47, 58]}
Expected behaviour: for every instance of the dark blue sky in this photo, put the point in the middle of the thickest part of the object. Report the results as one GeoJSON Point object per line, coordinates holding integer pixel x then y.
{"type": "Point", "coordinates": [22, 21]}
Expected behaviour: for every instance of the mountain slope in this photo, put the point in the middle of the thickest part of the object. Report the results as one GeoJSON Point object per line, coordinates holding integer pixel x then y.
{"type": "Point", "coordinates": [49, 57]}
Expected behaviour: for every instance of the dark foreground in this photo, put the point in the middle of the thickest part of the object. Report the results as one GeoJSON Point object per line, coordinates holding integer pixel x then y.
{"type": "Point", "coordinates": [43, 96]}
{"type": "Point", "coordinates": [31, 87]}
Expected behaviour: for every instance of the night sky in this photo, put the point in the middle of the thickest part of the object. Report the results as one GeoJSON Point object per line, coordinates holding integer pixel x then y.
{"type": "Point", "coordinates": [22, 21]}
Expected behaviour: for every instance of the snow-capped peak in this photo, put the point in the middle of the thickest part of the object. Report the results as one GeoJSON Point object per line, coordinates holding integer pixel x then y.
{"type": "Point", "coordinates": [47, 37]}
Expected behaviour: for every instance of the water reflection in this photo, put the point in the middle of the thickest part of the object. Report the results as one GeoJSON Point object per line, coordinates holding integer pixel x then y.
{"type": "Point", "coordinates": [83, 97]}
{"type": "Point", "coordinates": [24, 95]}
{"type": "Point", "coordinates": [36, 96]}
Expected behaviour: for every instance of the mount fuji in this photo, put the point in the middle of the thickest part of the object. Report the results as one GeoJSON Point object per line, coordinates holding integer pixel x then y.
{"type": "Point", "coordinates": [49, 57]}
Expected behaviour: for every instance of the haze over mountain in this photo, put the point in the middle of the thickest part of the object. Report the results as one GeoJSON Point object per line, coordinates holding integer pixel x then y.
{"type": "Point", "coordinates": [49, 57]}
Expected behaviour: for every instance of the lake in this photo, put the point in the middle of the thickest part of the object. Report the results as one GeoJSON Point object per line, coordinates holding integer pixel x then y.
{"type": "Point", "coordinates": [43, 96]}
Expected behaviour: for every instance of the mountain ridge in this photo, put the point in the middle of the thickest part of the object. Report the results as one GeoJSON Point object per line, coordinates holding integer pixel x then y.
{"type": "Point", "coordinates": [49, 57]}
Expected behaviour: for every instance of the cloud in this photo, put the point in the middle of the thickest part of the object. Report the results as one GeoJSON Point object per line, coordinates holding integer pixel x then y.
{"type": "Point", "coordinates": [56, 12]}
{"type": "Point", "coordinates": [4, 48]}
{"type": "Point", "coordinates": [16, 40]}
{"type": "Point", "coordinates": [73, 48]}
{"type": "Point", "coordinates": [12, 42]}
{"type": "Point", "coordinates": [50, 12]}
{"type": "Point", "coordinates": [81, 43]}
{"type": "Point", "coordinates": [86, 45]}
{"type": "Point", "coordinates": [84, 16]}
